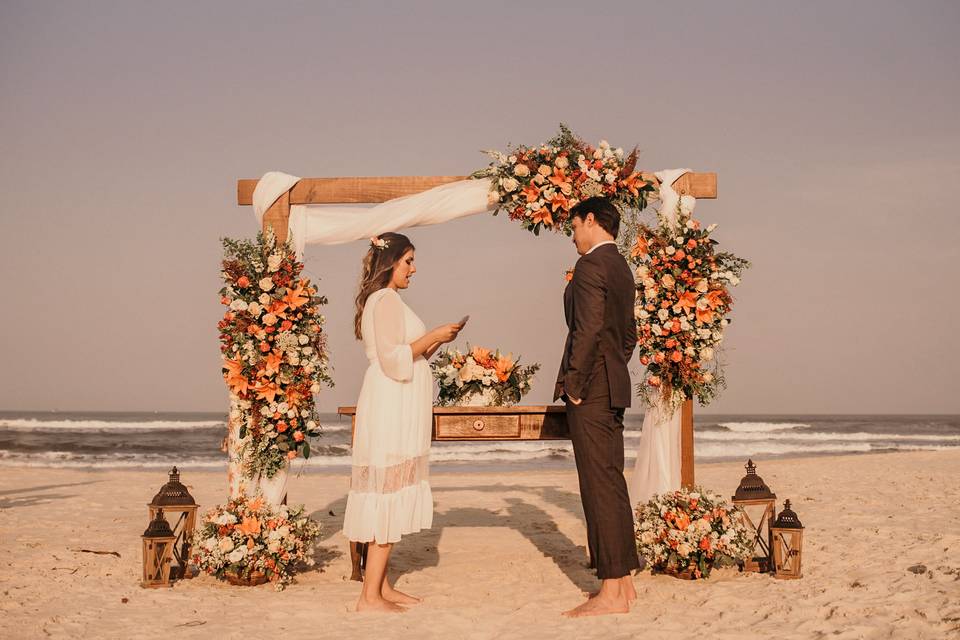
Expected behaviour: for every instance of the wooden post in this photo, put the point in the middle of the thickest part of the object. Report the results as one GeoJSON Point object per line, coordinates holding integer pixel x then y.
{"type": "Point", "coordinates": [686, 444]}
{"type": "Point", "coordinates": [278, 217]}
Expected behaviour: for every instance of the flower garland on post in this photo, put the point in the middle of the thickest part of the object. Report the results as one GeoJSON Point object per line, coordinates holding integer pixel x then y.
{"type": "Point", "coordinates": [274, 353]}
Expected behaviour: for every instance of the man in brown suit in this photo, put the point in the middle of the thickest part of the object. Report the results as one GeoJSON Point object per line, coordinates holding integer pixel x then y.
{"type": "Point", "coordinates": [594, 381]}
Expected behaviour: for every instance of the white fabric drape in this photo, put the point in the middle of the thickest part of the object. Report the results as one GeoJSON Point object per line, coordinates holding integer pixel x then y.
{"type": "Point", "coordinates": [336, 224]}
{"type": "Point", "coordinates": [657, 469]}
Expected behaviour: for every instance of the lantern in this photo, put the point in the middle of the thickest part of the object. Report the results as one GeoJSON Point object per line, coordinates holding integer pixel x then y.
{"type": "Point", "coordinates": [787, 543]}
{"type": "Point", "coordinates": [175, 500]}
{"type": "Point", "coordinates": [158, 541]}
{"type": "Point", "coordinates": [759, 506]}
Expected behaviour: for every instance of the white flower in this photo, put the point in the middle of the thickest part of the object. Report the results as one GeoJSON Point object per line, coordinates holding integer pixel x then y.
{"type": "Point", "coordinates": [663, 314]}
{"type": "Point", "coordinates": [670, 250]}
{"type": "Point", "coordinates": [237, 554]}
{"type": "Point", "coordinates": [255, 309]}
{"type": "Point", "coordinates": [238, 305]}
{"type": "Point", "coordinates": [684, 549]}
{"type": "Point", "coordinates": [593, 174]}
{"type": "Point", "coordinates": [284, 531]}
{"type": "Point", "coordinates": [270, 319]}
{"type": "Point", "coordinates": [210, 544]}
{"type": "Point", "coordinates": [604, 144]}
{"type": "Point", "coordinates": [668, 281]}
{"type": "Point", "coordinates": [226, 518]}
{"type": "Point", "coordinates": [226, 545]}
{"type": "Point", "coordinates": [512, 159]}
{"type": "Point", "coordinates": [544, 170]}
{"type": "Point", "coordinates": [315, 388]}
{"type": "Point", "coordinates": [273, 263]}
{"type": "Point", "coordinates": [264, 299]}
{"type": "Point", "coordinates": [561, 162]}
{"type": "Point", "coordinates": [702, 285]}
{"type": "Point", "coordinates": [706, 353]}
{"type": "Point", "coordinates": [618, 152]}
{"type": "Point", "coordinates": [734, 280]}
{"type": "Point", "coordinates": [707, 377]}
{"type": "Point", "coordinates": [711, 227]}
{"type": "Point", "coordinates": [273, 546]}
{"type": "Point", "coordinates": [509, 184]}
{"type": "Point", "coordinates": [521, 170]}
{"type": "Point", "coordinates": [610, 177]}
{"type": "Point", "coordinates": [266, 283]}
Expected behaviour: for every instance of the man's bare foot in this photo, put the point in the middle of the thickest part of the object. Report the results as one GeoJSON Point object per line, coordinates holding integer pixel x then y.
{"type": "Point", "coordinates": [600, 605]}
{"type": "Point", "coordinates": [398, 597]}
{"type": "Point", "coordinates": [378, 605]}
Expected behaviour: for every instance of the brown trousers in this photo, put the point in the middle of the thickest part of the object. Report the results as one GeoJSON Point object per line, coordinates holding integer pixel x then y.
{"type": "Point", "coordinates": [596, 429]}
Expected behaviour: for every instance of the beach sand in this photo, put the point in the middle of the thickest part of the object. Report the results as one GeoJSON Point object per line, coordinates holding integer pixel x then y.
{"type": "Point", "coordinates": [505, 557]}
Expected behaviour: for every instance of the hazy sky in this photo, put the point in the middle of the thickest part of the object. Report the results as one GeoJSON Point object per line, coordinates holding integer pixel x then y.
{"type": "Point", "coordinates": [125, 125]}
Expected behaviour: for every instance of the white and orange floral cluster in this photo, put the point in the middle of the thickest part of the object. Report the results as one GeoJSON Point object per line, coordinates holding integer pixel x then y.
{"type": "Point", "coordinates": [478, 370]}
{"type": "Point", "coordinates": [248, 536]}
{"type": "Point", "coordinates": [693, 530]}
{"type": "Point", "coordinates": [274, 352]}
{"type": "Point", "coordinates": [682, 308]}
{"type": "Point", "coordinates": [538, 186]}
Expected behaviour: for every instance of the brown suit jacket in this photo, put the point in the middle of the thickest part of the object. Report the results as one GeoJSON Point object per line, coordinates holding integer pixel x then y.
{"type": "Point", "coordinates": [598, 303]}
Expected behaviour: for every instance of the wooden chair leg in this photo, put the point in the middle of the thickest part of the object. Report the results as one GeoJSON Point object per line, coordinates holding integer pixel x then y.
{"type": "Point", "coordinates": [358, 559]}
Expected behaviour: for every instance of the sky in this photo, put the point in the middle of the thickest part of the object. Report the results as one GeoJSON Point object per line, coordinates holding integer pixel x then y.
{"type": "Point", "coordinates": [124, 125]}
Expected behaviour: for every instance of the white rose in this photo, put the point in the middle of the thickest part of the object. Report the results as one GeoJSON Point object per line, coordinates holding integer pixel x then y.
{"type": "Point", "coordinates": [562, 162]}
{"type": "Point", "coordinates": [544, 170]}
{"type": "Point", "coordinates": [684, 549]}
{"type": "Point", "coordinates": [521, 170]}
{"type": "Point", "coordinates": [702, 285]}
{"type": "Point", "coordinates": [663, 314]}
{"type": "Point", "coordinates": [307, 350]}
{"type": "Point", "coordinates": [273, 546]}
{"type": "Point", "coordinates": [315, 388]}
{"type": "Point", "coordinates": [255, 309]}
{"type": "Point", "coordinates": [210, 544]}
{"type": "Point", "coordinates": [597, 154]}
{"type": "Point", "coordinates": [604, 144]}
{"type": "Point", "coordinates": [509, 184]}
{"type": "Point", "coordinates": [237, 554]}
{"type": "Point", "coordinates": [706, 353]}
{"type": "Point", "coordinates": [226, 518]}
{"type": "Point", "coordinates": [273, 263]}
{"type": "Point", "coordinates": [302, 339]}
{"type": "Point", "coordinates": [618, 152]}
{"type": "Point", "coordinates": [266, 283]}
{"type": "Point", "coordinates": [238, 305]}
{"type": "Point", "coordinates": [226, 545]}
{"type": "Point", "coordinates": [670, 250]}
{"type": "Point", "coordinates": [668, 281]}
{"type": "Point", "coordinates": [610, 177]}
{"type": "Point", "coordinates": [270, 319]}
{"type": "Point", "coordinates": [264, 298]}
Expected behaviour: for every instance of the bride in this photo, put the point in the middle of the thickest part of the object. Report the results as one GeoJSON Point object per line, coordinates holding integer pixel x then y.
{"type": "Point", "coordinates": [389, 484]}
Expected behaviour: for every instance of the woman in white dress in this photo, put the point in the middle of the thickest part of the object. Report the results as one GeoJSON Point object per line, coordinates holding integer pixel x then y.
{"type": "Point", "coordinates": [389, 484]}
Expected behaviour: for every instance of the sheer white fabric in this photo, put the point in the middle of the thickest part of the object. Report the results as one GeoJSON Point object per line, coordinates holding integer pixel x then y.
{"type": "Point", "coordinates": [657, 469]}
{"type": "Point", "coordinates": [389, 482]}
{"type": "Point", "coordinates": [335, 224]}
{"type": "Point", "coordinates": [395, 355]}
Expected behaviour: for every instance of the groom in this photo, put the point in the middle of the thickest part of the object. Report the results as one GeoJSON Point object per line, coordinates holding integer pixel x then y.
{"type": "Point", "coordinates": [595, 384]}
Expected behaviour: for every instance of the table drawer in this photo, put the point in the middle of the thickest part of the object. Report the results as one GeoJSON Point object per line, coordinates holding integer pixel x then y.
{"type": "Point", "coordinates": [480, 427]}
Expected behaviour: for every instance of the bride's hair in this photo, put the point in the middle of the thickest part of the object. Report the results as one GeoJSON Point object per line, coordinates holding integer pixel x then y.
{"type": "Point", "coordinates": [385, 252]}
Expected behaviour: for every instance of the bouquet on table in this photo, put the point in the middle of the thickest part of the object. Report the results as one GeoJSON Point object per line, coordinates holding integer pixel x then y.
{"type": "Point", "coordinates": [250, 541]}
{"type": "Point", "coordinates": [492, 377]}
{"type": "Point", "coordinates": [691, 531]}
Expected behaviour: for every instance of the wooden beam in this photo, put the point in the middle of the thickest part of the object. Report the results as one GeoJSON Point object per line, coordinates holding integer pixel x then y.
{"type": "Point", "coordinates": [278, 217]}
{"type": "Point", "coordinates": [370, 190]}
{"type": "Point", "coordinates": [686, 444]}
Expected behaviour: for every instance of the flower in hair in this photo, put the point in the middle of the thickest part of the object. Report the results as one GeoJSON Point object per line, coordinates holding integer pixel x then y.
{"type": "Point", "coordinates": [379, 243]}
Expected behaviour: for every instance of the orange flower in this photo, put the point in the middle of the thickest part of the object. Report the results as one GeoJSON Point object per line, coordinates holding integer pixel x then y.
{"type": "Point", "coordinates": [676, 356]}
{"type": "Point", "coordinates": [569, 275]}
{"type": "Point", "coordinates": [633, 182]}
{"type": "Point", "coordinates": [257, 504]}
{"type": "Point", "coordinates": [532, 193]}
{"type": "Point", "coordinates": [559, 201]}
{"type": "Point", "coordinates": [237, 382]}
{"type": "Point", "coordinates": [267, 390]}
{"type": "Point", "coordinates": [704, 315]}
{"type": "Point", "coordinates": [682, 521]}
{"type": "Point", "coordinates": [243, 281]}
{"type": "Point", "coordinates": [715, 298]}
{"type": "Point", "coordinates": [688, 300]}
{"type": "Point", "coordinates": [224, 300]}
{"type": "Point", "coordinates": [250, 526]}
{"type": "Point", "coordinates": [295, 297]}
{"type": "Point", "coordinates": [705, 543]}
{"type": "Point", "coordinates": [286, 325]}
{"type": "Point", "coordinates": [542, 215]}
{"type": "Point", "coordinates": [282, 426]}
{"type": "Point", "coordinates": [480, 355]}
{"type": "Point", "coordinates": [278, 308]}
{"type": "Point", "coordinates": [264, 347]}
{"type": "Point", "coordinates": [298, 436]}
{"type": "Point", "coordinates": [504, 367]}
{"type": "Point", "coordinates": [641, 248]}
{"type": "Point", "coordinates": [272, 361]}
{"type": "Point", "coordinates": [291, 455]}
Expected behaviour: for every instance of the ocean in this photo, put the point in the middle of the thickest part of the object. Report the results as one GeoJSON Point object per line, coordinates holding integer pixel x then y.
{"type": "Point", "coordinates": [192, 440]}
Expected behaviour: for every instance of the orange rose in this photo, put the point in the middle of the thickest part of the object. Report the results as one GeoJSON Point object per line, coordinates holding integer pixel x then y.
{"type": "Point", "coordinates": [243, 281]}
{"type": "Point", "coordinates": [676, 356]}
{"type": "Point", "coordinates": [291, 455]}
{"type": "Point", "coordinates": [264, 347]}
{"type": "Point", "coordinates": [286, 325]}
{"type": "Point", "coordinates": [298, 436]}
{"type": "Point", "coordinates": [659, 358]}
{"type": "Point", "coordinates": [224, 300]}
{"type": "Point", "coordinates": [282, 426]}
{"type": "Point", "coordinates": [644, 360]}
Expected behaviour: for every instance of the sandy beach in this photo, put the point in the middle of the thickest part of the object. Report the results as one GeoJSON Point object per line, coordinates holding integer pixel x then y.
{"type": "Point", "coordinates": [505, 557]}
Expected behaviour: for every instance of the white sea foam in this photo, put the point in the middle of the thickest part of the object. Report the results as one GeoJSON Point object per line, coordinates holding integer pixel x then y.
{"type": "Point", "coordinates": [762, 427]}
{"type": "Point", "coordinates": [31, 424]}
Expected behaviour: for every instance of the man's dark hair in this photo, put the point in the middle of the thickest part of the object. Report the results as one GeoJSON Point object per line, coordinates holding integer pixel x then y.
{"type": "Point", "coordinates": [604, 212]}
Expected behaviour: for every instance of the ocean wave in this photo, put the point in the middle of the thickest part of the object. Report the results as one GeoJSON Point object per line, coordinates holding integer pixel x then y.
{"type": "Point", "coordinates": [31, 424]}
{"type": "Point", "coordinates": [762, 427]}
{"type": "Point", "coordinates": [64, 459]}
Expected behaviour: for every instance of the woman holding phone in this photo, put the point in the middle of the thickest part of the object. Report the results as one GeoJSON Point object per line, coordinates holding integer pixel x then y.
{"type": "Point", "coordinates": [389, 484]}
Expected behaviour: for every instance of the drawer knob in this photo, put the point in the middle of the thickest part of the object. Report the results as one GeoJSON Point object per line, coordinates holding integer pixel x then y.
{"type": "Point", "coordinates": [478, 424]}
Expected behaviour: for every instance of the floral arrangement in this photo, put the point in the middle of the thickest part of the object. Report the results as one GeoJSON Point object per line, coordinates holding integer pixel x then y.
{"type": "Point", "coordinates": [539, 185]}
{"type": "Point", "coordinates": [691, 530]}
{"type": "Point", "coordinates": [274, 352]}
{"type": "Point", "coordinates": [682, 307]}
{"type": "Point", "coordinates": [480, 371]}
{"type": "Point", "coordinates": [249, 537]}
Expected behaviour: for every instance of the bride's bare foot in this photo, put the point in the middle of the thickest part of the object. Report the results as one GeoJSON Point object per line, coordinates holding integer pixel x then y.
{"type": "Point", "coordinates": [399, 597]}
{"type": "Point", "coordinates": [628, 589]}
{"type": "Point", "coordinates": [378, 605]}
{"type": "Point", "coordinates": [600, 605]}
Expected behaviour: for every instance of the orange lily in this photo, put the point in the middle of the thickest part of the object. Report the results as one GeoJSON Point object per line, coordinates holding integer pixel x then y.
{"type": "Point", "coordinates": [267, 390]}
{"type": "Point", "coordinates": [237, 382]}
{"type": "Point", "coordinates": [296, 298]}
{"type": "Point", "coordinates": [688, 300]}
{"type": "Point", "coordinates": [714, 298]}
{"type": "Point", "coordinates": [641, 248]}
{"type": "Point", "coordinates": [504, 366]}
{"type": "Point", "coordinates": [542, 215]}
{"type": "Point", "coordinates": [250, 526]}
{"type": "Point", "coordinates": [559, 201]}
{"type": "Point", "coordinates": [559, 178]}
{"type": "Point", "coordinates": [278, 308]}
{"type": "Point", "coordinates": [272, 361]}
{"type": "Point", "coordinates": [257, 504]}
{"type": "Point", "coordinates": [705, 315]}
{"type": "Point", "coordinates": [532, 193]}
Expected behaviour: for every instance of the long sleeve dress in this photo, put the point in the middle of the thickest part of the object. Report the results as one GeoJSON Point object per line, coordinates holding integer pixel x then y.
{"type": "Point", "coordinates": [389, 484]}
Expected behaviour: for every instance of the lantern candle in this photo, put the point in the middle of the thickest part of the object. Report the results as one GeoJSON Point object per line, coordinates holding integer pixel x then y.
{"type": "Point", "coordinates": [158, 542]}
{"type": "Point", "coordinates": [175, 500]}
{"type": "Point", "coordinates": [758, 503]}
{"type": "Point", "coordinates": [787, 543]}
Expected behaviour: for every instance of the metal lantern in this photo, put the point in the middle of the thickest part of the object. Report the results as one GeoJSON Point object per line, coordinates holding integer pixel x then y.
{"type": "Point", "coordinates": [158, 541]}
{"type": "Point", "coordinates": [759, 506]}
{"type": "Point", "coordinates": [175, 500]}
{"type": "Point", "coordinates": [787, 543]}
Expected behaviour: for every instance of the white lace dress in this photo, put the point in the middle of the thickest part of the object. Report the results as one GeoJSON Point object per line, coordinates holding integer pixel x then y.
{"type": "Point", "coordinates": [389, 484]}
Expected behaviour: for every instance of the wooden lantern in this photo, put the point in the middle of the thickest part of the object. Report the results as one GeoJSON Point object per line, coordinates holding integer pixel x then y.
{"type": "Point", "coordinates": [158, 542]}
{"type": "Point", "coordinates": [787, 543]}
{"type": "Point", "coordinates": [759, 506]}
{"type": "Point", "coordinates": [174, 499]}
